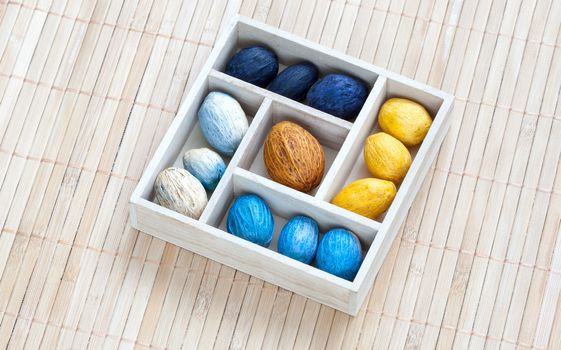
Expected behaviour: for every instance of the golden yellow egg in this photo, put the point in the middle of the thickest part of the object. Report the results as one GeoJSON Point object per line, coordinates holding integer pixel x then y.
{"type": "Point", "coordinates": [293, 157]}
{"type": "Point", "coordinates": [367, 197]}
{"type": "Point", "coordinates": [386, 157]}
{"type": "Point", "coordinates": [405, 120]}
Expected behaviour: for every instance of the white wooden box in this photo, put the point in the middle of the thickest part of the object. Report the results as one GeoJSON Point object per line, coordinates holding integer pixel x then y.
{"type": "Point", "coordinates": [343, 144]}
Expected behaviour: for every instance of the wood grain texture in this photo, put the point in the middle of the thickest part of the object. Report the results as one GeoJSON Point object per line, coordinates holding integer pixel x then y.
{"type": "Point", "coordinates": [88, 88]}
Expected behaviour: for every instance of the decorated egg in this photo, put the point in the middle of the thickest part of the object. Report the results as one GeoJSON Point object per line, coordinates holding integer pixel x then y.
{"type": "Point", "coordinates": [367, 197]}
{"type": "Point", "coordinates": [298, 239]}
{"type": "Point", "coordinates": [295, 81]}
{"type": "Point", "coordinates": [250, 218]}
{"type": "Point", "coordinates": [223, 122]}
{"type": "Point", "coordinates": [386, 157]}
{"type": "Point", "coordinates": [255, 64]}
{"type": "Point", "coordinates": [206, 165]}
{"type": "Point", "coordinates": [339, 253]}
{"type": "Point", "coordinates": [338, 94]}
{"type": "Point", "coordinates": [406, 120]}
{"type": "Point", "coordinates": [293, 157]}
{"type": "Point", "coordinates": [178, 190]}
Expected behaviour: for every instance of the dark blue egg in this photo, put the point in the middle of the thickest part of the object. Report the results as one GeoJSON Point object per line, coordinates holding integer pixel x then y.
{"type": "Point", "coordinates": [250, 218]}
{"type": "Point", "coordinates": [295, 81]}
{"type": "Point", "coordinates": [339, 253]}
{"type": "Point", "coordinates": [338, 94]}
{"type": "Point", "coordinates": [298, 239]}
{"type": "Point", "coordinates": [255, 64]}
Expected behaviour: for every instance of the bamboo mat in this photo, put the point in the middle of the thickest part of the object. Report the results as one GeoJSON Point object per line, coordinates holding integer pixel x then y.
{"type": "Point", "coordinates": [87, 89]}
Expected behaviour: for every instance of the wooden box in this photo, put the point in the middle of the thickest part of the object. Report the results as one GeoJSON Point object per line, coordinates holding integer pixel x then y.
{"type": "Point", "coordinates": [343, 145]}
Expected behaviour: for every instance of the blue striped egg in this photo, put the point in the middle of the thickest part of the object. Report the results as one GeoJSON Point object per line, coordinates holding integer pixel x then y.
{"type": "Point", "coordinates": [339, 253]}
{"type": "Point", "coordinates": [298, 239]}
{"type": "Point", "coordinates": [223, 122]}
{"type": "Point", "coordinates": [206, 165]}
{"type": "Point", "coordinates": [255, 64]}
{"type": "Point", "coordinates": [339, 95]}
{"type": "Point", "coordinates": [295, 81]}
{"type": "Point", "coordinates": [250, 218]}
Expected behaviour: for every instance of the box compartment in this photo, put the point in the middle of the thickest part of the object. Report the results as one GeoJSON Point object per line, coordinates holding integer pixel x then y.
{"type": "Point", "coordinates": [291, 52]}
{"type": "Point", "coordinates": [286, 203]}
{"type": "Point", "coordinates": [187, 134]}
{"type": "Point", "coordinates": [350, 165]}
{"type": "Point", "coordinates": [326, 129]}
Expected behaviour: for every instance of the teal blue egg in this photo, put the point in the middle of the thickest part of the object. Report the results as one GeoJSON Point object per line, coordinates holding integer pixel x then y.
{"type": "Point", "coordinates": [250, 218]}
{"type": "Point", "coordinates": [298, 239]}
{"type": "Point", "coordinates": [339, 253]}
{"type": "Point", "coordinates": [223, 122]}
{"type": "Point", "coordinates": [206, 165]}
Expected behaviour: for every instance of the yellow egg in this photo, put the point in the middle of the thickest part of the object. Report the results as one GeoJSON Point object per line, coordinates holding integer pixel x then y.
{"type": "Point", "coordinates": [405, 120]}
{"type": "Point", "coordinates": [367, 197]}
{"type": "Point", "coordinates": [386, 157]}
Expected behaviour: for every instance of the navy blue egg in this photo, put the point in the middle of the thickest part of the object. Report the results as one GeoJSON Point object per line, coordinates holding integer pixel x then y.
{"type": "Point", "coordinates": [250, 218]}
{"type": "Point", "coordinates": [295, 81]}
{"type": "Point", "coordinates": [339, 95]}
{"type": "Point", "coordinates": [298, 239]}
{"type": "Point", "coordinates": [339, 253]}
{"type": "Point", "coordinates": [255, 64]}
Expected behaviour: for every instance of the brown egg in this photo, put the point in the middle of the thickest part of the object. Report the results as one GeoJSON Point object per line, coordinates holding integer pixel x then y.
{"type": "Point", "coordinates": [293, 157]}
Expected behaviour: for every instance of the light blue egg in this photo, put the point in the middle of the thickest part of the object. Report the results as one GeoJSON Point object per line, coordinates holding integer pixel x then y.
{"type": "Point", "coordinates": [339, 253]}
{"type": "Point", "coordinates": [206, 165]}
{"type": "Point", "coordinates": [250, 218]}
{"type": "Point", "coordinates": [298, 239]}
{"type": "Point", "coordinates": [223, 122]}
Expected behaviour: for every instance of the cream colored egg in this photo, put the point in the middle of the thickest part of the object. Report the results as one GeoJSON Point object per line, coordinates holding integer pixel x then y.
{"type": "Point", "coordinates": [178, 190]}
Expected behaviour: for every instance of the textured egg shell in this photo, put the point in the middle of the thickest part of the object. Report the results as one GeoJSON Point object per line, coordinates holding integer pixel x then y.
{"type": "Point", "coordinates": [386, 157]}
{"type": "Point", "coordinates": [180, 191]}
{"type": "Point", "coordinates": [298, 239]}
{"type": "Point", "coordinates": [293, 157]}
{"type": "Point", "coordinates": [367, 197]}
{"type": "Point", "coordinates": [339, 95]}
{"type": "Point", "coordinates": [256, 64]}
{"type": "Point", "coordinates": [339, 253]}
{"type": "Point", "coordinates": [206, 165]}
{"type": "Point", "coordinates": [223, 122]}
{"type": "Point", "coordinates": [295, 81]}
{"type": "Point", "coordinates": [406, 120]}
{"type": "Point", "coordinates": [250, 218]}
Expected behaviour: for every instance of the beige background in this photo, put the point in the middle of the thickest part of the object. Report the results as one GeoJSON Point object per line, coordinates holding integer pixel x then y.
{"type": "Point", "coordinates": [87, 89]}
